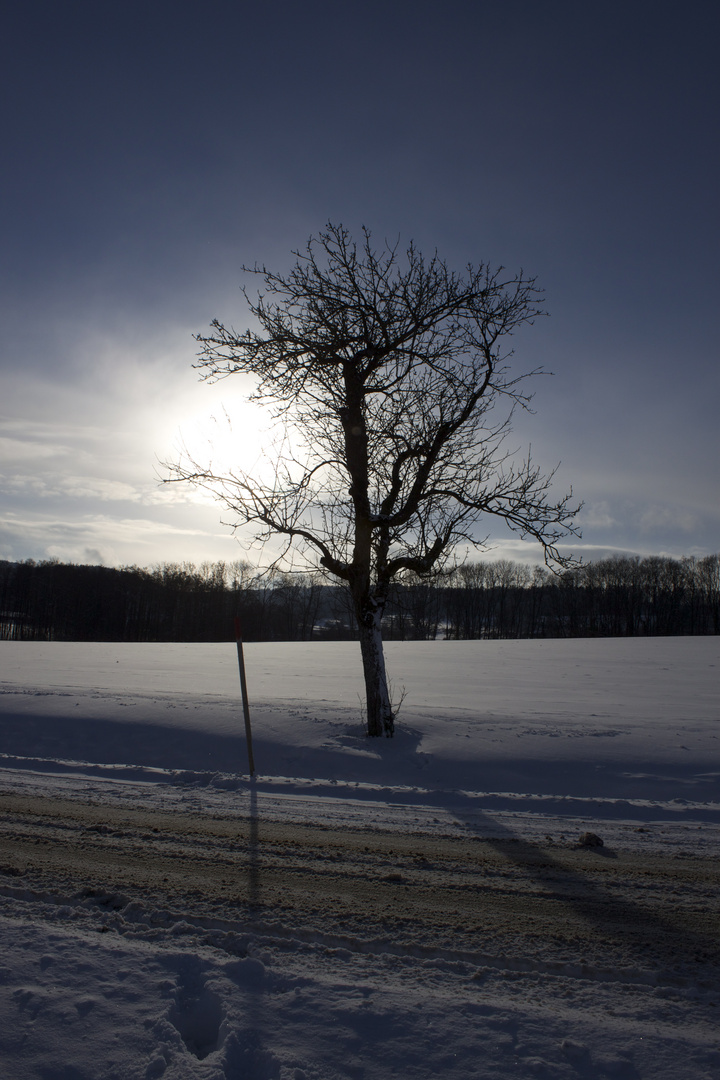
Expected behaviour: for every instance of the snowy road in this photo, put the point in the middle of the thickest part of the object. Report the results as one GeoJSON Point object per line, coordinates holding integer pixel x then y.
{"type": "Point", "coordinates": [549, 926]}
{"type": "Point", "coordinates": [475, 899]}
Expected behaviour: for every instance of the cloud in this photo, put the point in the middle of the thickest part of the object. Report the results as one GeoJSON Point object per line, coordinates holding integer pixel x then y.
{"type": "Point", "coordinates": [596, 516]}
{"type": "Point", "coordinates": [50, 486]}
{"type": "Point", "coordinates": [525, 551]}
{"type": "Point", "coordinates": [113, 540]}
{"type": "Point", "coordinates": [669, 518]}
{"type": "Point", "coordinates": [25, 451]}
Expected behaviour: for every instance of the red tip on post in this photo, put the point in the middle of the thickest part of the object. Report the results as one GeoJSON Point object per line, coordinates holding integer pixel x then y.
{"type": "Point", "coordinates": [238, 636]}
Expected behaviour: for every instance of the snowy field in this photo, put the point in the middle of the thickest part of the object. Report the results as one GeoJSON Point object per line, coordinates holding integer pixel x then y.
{"type": "Point", "coordinates": [413, 907]}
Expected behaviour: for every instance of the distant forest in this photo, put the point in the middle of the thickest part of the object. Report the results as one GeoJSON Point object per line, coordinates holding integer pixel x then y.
{"type": "Point", "coordinates": [615, 597]}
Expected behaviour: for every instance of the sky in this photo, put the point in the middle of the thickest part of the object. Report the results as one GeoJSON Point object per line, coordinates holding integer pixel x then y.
{"type": "Point", "coordinates": [151, 150]}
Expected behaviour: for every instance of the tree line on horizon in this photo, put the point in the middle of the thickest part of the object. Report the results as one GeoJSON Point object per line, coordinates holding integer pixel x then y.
{"type": "Point", "coordinates": [614, 597]}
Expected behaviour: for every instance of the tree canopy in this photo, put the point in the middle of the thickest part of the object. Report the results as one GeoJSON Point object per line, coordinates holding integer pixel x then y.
{"type": "Point", "coordinates": [393, 372]}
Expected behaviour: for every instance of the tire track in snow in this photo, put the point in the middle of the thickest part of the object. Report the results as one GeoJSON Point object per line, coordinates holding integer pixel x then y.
{"type": "Point", "coordinates": [482, 902]}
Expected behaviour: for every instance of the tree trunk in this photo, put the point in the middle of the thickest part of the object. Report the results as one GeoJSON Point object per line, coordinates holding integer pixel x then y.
{"type": "Point", "coordinates": [380, 718]}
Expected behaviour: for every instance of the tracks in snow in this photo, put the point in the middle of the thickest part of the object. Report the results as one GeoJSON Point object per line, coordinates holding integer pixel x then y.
{"type": "Point", "coordinates": [478, 910]}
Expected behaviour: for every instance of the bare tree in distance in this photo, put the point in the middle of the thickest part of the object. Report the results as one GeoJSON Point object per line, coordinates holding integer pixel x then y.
{"type": "Point", "coordinates": [389, 368]}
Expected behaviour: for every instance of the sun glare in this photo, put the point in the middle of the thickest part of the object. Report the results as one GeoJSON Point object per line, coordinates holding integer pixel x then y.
{"type": "Point", "coordinates": [226, 441]}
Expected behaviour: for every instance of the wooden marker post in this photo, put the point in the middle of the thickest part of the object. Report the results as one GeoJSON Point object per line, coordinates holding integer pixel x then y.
{"type": "Point", "coordinates": [243, 689]}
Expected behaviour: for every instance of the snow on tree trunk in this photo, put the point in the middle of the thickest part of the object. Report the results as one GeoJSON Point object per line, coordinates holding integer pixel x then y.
{"type": "Point", "coordinates": [380, 719]}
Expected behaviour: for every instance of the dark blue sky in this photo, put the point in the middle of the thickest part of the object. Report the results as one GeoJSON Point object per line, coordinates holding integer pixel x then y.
{"type": "Point", "coordinates": [149, 149]}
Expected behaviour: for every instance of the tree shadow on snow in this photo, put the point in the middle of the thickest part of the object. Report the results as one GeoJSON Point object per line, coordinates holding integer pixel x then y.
{"type": "Point", "coordinates": [647, 931]}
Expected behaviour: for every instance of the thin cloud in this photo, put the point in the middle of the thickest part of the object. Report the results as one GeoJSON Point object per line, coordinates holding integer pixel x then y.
{"type": "Point", "coordinates": [597, 515]}
{"type": "Point", "coordinates": [22, 452]}
{"type": "Point", "coordinates": [118, 540]}
{"type": "Point", "coordinates": [663, 518]}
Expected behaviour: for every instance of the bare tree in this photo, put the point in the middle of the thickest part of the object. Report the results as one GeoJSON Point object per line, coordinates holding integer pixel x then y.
{"type": "Point", "coordinates": [388, 368]}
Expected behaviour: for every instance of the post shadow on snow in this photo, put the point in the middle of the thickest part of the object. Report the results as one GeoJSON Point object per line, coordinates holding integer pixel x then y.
{"type": "Point", "coordinates": [638, 928]}
{"type": "Point", "coordinates": [254, 898]}
{"type": "Point", "coordinates": [198, 1012]}
{"type": "Point", "coordinates": [245, 1053]}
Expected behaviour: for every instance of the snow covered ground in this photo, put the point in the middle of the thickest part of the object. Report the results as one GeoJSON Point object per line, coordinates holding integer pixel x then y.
{"type": "Point", "coordinates": [413, 907]}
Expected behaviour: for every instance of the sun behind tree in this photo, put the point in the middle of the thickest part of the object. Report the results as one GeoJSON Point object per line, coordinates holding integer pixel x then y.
{"type": "Point", "coordinates": [388, 368]}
